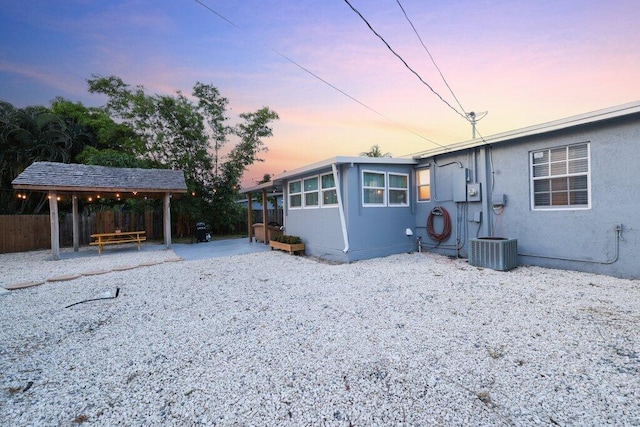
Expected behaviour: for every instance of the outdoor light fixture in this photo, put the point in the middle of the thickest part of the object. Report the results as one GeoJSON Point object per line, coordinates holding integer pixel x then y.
{"type": "Point", "coordinates": [409, 233]}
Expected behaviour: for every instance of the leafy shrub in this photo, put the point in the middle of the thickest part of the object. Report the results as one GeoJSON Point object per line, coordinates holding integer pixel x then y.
{"type": "Point", "coordinates": [283, 238]}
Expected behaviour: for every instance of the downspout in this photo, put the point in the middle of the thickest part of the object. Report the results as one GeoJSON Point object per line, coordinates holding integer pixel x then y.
{"type": "Point", "coordinates": [486, 191]}
{"type": "Point", "coordinates": [343, 222]}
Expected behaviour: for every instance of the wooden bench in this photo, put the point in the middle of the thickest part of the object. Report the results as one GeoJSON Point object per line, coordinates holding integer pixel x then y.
{"type": "Point", "coordinates": [118, 237]}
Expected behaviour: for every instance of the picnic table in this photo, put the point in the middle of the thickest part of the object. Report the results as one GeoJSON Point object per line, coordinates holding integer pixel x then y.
{"type": "Point", "coordinates": [101, 239]}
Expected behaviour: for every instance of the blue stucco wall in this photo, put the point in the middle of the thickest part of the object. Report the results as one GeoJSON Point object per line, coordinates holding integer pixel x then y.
{"type": "Point", "coordinates": [372, 231]}
{"type": "Point", "coordinates": [582, 240]}
{"type": "Point", "coordinates": [319, 228]}
{"type": "Point", "coordinates": [377, 231]}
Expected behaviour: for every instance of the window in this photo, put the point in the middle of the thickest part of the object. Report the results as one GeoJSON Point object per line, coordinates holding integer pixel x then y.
{"type": "Point", "coordinates": [311, 192]}
{"type": "Point", "coordinates": [373, 188]}
{"type": "Point", "coordinates": [424, 185]}
{"type": "Point", "coordinates": [329, 194]}
{"type": "Point", "coordinates": [295, 196]}
{"type": "Point", "coordinates": [385, 189]}
{"type": "Point", "coordinates": [560, 177]}
{"type": "Point", "coordinates": [398, 189]}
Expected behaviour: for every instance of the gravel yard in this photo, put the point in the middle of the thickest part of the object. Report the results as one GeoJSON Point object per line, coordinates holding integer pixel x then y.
{"type": "Point", "coordinates": [274, 339]}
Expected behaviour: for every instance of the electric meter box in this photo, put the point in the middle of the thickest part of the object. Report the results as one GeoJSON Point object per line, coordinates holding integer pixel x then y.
{"type": "Point", "coordinates": [473, 192]}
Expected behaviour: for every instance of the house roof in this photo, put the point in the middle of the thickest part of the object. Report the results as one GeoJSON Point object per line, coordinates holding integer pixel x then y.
{"type": "Point", "coordinates": [69, 177]}
{"type": "Point", "coordinates": [610, 113]}
{"type": "Point", "coordinates": [556, 125]}
{"type": "Point", "coordinates": [324, 164]}
{"type": "Point", "coordinates": [269, 186]}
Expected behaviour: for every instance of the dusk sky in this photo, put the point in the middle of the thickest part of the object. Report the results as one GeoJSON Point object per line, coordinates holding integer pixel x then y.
{"type": "Point", "coordinates": [524, 62]}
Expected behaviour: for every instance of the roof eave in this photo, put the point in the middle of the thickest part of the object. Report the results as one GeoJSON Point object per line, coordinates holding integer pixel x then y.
{"type": "Point", "coordinates": [539, 129]}
{"type": "Point", "coordinates": [71, 189]}
{"type": "Point", "coordinates": [323, 164]}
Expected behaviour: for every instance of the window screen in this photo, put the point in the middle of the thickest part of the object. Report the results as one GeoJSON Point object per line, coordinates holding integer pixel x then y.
{"type": "Point", "coordinates": [560, 177]}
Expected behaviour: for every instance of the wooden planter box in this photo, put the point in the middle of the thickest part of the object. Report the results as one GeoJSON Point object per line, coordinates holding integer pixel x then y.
{"type": "Point", "coordinates": [287, 247]}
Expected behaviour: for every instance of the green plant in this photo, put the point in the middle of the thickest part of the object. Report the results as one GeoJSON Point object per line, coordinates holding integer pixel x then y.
{"type": "Point", "coordinates": [283, 238]}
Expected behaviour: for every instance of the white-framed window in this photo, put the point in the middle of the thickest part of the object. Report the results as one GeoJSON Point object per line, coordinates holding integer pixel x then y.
{"type": "Point", "coordinates": [561, 177]}
{"type": "Point", "coordinates": [329, 193]}
{"type": "Point", "coordinates": [310, 192]}
{"type": "Point", "coordinates": [423, 183]}
{"type": "Point", "coordinates": [381, 189]}
{"type": "Point", "coordinates": [398, 189]}
{"type": "Point", "coordinates": [374, 188]}
{"type": "Point", "coordinates": [295, 194]}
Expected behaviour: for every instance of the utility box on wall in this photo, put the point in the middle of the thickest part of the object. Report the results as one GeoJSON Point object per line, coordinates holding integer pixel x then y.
{"type": "Point", "coordinates": [473, 192]}
{"type": "Point", "coordinates": [460, 185]}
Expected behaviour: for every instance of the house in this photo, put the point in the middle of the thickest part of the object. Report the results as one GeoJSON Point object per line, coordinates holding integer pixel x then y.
{"type": "Point", "coordinates": [563, 190]}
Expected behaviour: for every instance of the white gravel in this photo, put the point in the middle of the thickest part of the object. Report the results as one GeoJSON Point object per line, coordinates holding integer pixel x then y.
{"type": "Point", "coordinates": [274, 339]}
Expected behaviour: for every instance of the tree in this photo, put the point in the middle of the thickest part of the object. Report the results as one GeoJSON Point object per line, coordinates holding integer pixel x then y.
{"type": "Point", "coordinates": [252, 131]}
{"type": "Point", "coordinates": [179, 134]}
{"type": "Point", "coordinates": [375, 152]}
{"type": "Point", "coordinates": [96, 127]}
{"type": "Point", "coordinates": [265, 178]}
{"type": "Point", "coordinates": [213, 106]}
{"type": "Point", "coordinates": [28, 135]}
{"type": "Point", "coordinates": [255, 127]}
{"type": "Point", "coordinates": [12, 157]}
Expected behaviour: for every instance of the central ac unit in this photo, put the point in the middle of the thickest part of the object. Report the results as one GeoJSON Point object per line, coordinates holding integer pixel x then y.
{"type": "Point", "coordinates": [497, 253]}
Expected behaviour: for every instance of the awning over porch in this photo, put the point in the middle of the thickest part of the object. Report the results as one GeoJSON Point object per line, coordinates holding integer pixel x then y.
{"type": "Point", "coordinates": [266, 190]}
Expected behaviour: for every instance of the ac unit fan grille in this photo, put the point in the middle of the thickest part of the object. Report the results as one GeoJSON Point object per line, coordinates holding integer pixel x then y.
{"type": "Point", "coordinates": [497, 254]}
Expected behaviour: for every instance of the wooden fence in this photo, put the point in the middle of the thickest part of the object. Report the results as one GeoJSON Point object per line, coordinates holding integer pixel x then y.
{"type": "Point", "coordinates": [20, 233]}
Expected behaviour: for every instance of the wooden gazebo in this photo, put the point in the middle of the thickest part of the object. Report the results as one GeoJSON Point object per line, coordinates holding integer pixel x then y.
{"type": "Point", "coordinates": [77, 180]}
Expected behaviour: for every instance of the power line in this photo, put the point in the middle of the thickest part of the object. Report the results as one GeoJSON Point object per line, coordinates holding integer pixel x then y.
{"type": "Point", "coordinates": [403, 61]}
{"type": "Point", "coordinates": [323, 80]}
{"type": "Point", "coordinates": [432, 60]}
{"type": "Point", "coordinates": [471, 116]}
{"type": "Point", "coordinates": [217, 14]}
{"type": "Point", "coordinates": [354, 99]}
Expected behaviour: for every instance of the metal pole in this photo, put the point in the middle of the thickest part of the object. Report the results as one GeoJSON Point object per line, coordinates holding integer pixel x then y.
{"type": "Point", "coordinates": [472, 116]}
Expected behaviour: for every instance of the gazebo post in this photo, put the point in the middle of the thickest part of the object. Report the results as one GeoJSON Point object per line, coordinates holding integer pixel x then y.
{"type": "Point", "coordinates": [265, 216]}
{"type": "Point", "coordinates": [55, 226]}
{"type": "Point", "coordinates": [76, 227]}
{"type": "Point", "coordinates": [167, 220]}
{"type": "Point", "coordinates": [275, 209]}
{"type": "Point", "coordinates": [250, 217]}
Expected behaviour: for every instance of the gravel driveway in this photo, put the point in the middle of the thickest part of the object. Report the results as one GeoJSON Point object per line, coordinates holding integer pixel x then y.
{"type": "Point", "coordinates": [274, 339]}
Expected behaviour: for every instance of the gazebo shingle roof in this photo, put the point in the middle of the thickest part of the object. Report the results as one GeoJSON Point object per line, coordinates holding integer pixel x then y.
{"type": "Point", "coordinates": [47, 176]}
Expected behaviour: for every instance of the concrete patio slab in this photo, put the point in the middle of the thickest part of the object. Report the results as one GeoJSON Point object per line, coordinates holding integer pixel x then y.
{"type": "Point", "coordinates": [217, 249]}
